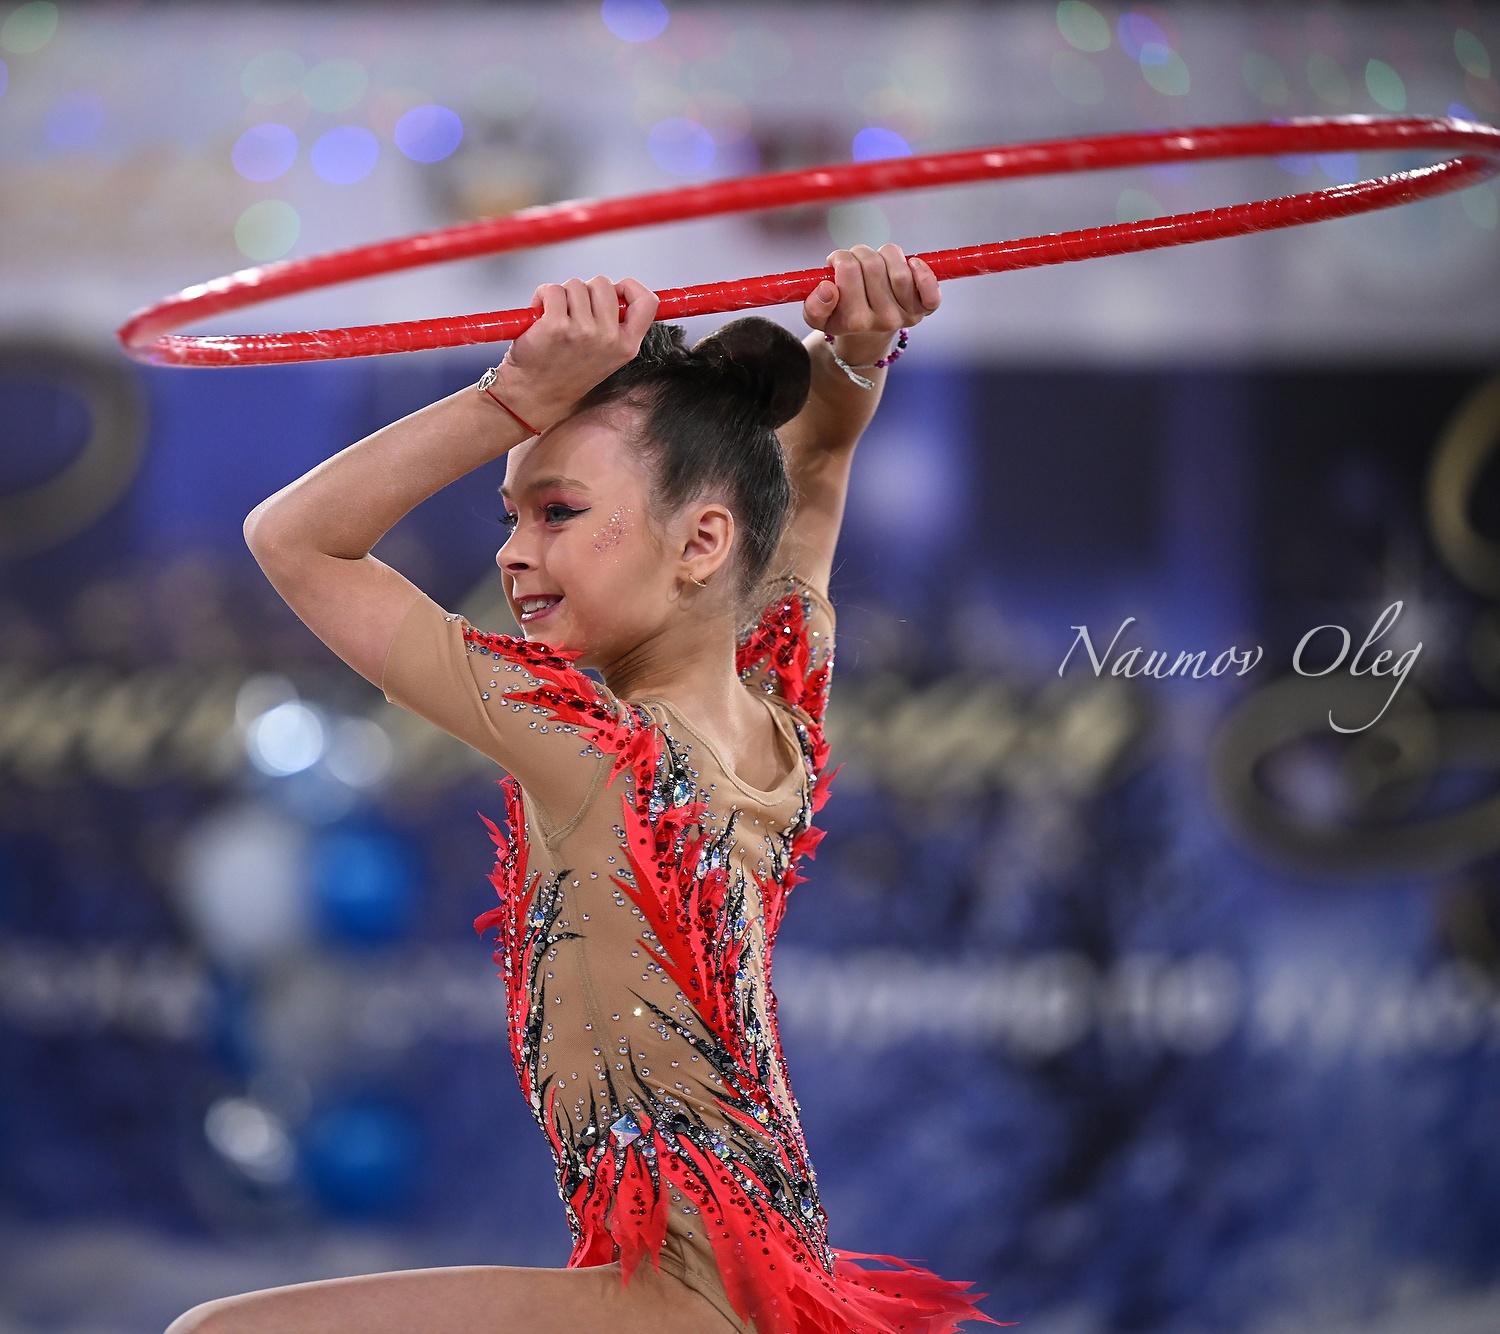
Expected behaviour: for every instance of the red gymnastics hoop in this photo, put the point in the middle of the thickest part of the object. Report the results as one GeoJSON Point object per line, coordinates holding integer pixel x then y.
{"type": "Point", "coordinates": [146, 335]}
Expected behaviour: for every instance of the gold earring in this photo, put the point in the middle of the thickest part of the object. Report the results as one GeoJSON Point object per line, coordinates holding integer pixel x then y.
{"type": "Point", "coordinates": [699, 582]}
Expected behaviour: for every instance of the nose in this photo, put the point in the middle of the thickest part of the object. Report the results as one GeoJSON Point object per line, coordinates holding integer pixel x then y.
{"type": "Point", "coordinates": [512, 556]}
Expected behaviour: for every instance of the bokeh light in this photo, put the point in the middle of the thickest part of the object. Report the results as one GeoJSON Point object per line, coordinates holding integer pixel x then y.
{"type": "Point", "coordinates": [265, 151]}
{"type": "Point", "coordinates": [874, 142]}
{"type": "Point", "coordinates": [1168, 76]}
{"type": "Point", "coordinates": [1327, 79]}
{"type": "Point", "coordinates": [1082, 26]}
{"type": "Point", "coordinates": [1385, 85]}
{"type": "Point", "coordinates": [634, 20]}
{"type": "Point", "coordinates": [362, 1157]}
{"type": "Point", "coordinates": [28, 28]}
{"type": "Point", "coordinates": [1143, 39]}
{"type": "Point", "coordinates": [238, 845]}
{"type": "Point", "coordinates": [429, 133]}
{"type": "Point", "coordinates": [681, 146]}
{"type": "Point", "coordinates": [858, 224]}
{"type": "Point", "coordinates": [251, 1137]}
{"type": "Point", "coordinates": [74, 119]}
{"type": "Point", "coordinates": [335, 85]}
{"type": "Point", "coordinates": [267, 230]}
{"type": "Point", "coordinates": [264, 690]}
{"type": "Point", "coordinates": [290, 737]}
{"type": "Point", "coordinates": [1471, 54]}
{"type": "Point", "coordinates": [345, 154]}
{"type": "Point", "coordinates": [366, 884]}
{"type": "Point", "coordinates": [1458, 111]}
{"type": "Point", "coordinates": [1077, 78]}
{"type": "Point", "coordinates": [1264, 78]}
{"type": "Point", "coordinates": [360, 752]}
{"type": "Point", "coordinates": [272, 77]}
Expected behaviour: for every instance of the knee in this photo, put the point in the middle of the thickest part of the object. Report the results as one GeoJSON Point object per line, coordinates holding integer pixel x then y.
{"type": "Point", "coordinates": [207, 1318]}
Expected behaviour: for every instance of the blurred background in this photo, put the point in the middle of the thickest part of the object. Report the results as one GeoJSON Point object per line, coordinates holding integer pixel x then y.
{"type": "Point", "coordinates": [1159, 1006]}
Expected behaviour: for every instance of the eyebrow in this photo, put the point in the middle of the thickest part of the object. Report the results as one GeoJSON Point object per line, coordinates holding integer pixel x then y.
{"type": "Point", "coordinates": [542, 483]}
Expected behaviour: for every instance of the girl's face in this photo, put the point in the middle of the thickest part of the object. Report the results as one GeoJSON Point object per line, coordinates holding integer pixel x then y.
{"type": "Point", "coordinates": [583, 567]}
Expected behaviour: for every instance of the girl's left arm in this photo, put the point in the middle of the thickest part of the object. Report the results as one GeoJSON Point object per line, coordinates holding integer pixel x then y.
{"type": "Point", "coordinates": [874, 294]}
{"type": "Point", "coordinates": [313, 537]}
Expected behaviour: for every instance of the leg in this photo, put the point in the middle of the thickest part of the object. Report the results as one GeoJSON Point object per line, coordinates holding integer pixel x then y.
{"type": "Point", "coordinates": [466, 1299]}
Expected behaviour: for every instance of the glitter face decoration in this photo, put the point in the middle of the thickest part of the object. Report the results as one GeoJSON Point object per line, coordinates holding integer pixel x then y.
{"type": "Point", "coordinates": [608, 537]}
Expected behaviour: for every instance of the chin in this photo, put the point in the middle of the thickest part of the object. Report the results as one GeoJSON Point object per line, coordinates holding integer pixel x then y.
{"type": "Point", "coordinates": [553, 636]}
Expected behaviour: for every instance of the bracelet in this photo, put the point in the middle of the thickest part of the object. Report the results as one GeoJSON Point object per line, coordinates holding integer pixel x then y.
{"type": "Point", "coordinates": [849, 370]}
{"type": "Point", "coordinates": [486, 381]}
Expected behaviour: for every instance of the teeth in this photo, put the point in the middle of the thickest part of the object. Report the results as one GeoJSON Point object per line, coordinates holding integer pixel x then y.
{"type": "Point", "coordinates": [529, 605]}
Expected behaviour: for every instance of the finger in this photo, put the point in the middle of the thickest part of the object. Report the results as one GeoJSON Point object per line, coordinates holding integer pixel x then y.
{"type": "Point", "coordinates": [554, 301]}
{"type": "Point", "coordinates": [927, 285]}
{"type": "Point", "coordinates": [854, 305]}
{"type": "Point", "coordinates": [885, 313]}
{"type": "Point", "coordinates": [820, 304]}
{"type": "Point", "coordinates": [580, 308]}
{"type": "Point", "coordinates": [903, 285]}
{"type": "Point", "coordinates": [640, 311]}
{"type": "Point", "coordinates": [604, 303]}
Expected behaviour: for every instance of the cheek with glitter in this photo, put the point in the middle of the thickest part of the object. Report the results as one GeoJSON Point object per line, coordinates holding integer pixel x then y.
{"type": "Point", "coordinates": [608, 537]}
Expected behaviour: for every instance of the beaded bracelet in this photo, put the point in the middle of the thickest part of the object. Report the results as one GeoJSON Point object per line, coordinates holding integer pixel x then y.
{"type": "Point", "coordinates": [484, 384]}
{"type": "Point", "coordinates": [867, 366]}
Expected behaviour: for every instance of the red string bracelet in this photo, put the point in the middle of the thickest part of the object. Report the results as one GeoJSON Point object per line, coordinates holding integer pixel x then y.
{"type": "Point", "coordinates": [485, 383]}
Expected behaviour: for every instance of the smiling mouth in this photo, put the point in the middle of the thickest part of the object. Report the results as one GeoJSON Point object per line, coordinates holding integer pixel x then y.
{"type": "Point", "coordinates": [535, 608]}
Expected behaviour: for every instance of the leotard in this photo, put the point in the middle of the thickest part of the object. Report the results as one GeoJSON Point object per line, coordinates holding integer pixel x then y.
{"type": "Point", "coordinates": [634, 934]}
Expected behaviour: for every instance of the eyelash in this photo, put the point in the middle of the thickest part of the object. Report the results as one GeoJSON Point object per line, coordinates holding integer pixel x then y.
{"type": "Point", "coordinates": [508, 518]}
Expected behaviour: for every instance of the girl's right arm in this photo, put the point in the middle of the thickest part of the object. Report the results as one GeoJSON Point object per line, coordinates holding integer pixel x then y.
{"type": "Point", "coordinates": [872, 295]}
{"type": "Point", "coordinates": [313, 538]}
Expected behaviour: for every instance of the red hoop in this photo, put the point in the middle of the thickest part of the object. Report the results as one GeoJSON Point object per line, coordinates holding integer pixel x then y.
{"type": "Point", "coordinates": [146, 335]}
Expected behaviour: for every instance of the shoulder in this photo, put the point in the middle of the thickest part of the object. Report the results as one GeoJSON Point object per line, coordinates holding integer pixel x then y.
{"type": "Point", "coordinates": [524, 704]}
{"type": "Point", "coordinates": [784, 592]}
{"type": "Point", "coordinates": [547, 677]}
{"type": "Point", "coordinates": [787, 651]}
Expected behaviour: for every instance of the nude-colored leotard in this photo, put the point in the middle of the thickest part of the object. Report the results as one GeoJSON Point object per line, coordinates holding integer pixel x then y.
{"type": "Point", "coordinates": [641, 887]}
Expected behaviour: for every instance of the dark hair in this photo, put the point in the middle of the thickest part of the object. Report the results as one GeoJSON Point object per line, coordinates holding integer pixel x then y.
{"type": "Point", "coordinates": [708, 425]}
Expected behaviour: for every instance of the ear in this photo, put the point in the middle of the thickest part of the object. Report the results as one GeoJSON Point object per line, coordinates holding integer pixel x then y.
{"type": "Point", "coordinates": [707, 537]}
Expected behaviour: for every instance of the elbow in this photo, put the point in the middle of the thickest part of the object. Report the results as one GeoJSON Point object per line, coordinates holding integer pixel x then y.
{"type": "Point", "coordinates": [254, 529]}
{"type": "Point", "coordinates": [249, 527]}
{"type": "Point", "coordinates": [265, 535]}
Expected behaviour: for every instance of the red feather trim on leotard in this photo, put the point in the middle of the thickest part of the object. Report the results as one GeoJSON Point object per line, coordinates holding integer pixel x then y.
{"type": "Point", "coordinates": [767, 1229]}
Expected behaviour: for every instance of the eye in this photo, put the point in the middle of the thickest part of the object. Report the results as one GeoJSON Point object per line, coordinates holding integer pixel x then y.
{"type": "Point", "coordinates": [559, 513]}
{"type": "Point", "coordinates": [507, 519]}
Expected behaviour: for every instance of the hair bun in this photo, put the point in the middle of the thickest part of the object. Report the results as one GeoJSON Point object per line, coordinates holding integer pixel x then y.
{"type": "Point", "coordinates": [768, 362]}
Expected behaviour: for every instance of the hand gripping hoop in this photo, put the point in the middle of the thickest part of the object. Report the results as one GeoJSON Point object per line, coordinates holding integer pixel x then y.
{"type": "Point", "coordinates": [147, 335]}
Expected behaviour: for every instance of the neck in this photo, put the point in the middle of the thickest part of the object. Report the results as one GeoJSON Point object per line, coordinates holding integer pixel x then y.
{"type": "Point", "coordinates": [690, 661]}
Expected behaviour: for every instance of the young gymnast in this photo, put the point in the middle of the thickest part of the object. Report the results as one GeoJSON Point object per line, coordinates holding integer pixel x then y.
{"type": "Point", "coordinates": [673, 517]}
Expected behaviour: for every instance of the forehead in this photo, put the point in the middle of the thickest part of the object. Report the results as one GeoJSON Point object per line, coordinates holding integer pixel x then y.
{"type": "Point", "coordinates": [587, 447]}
